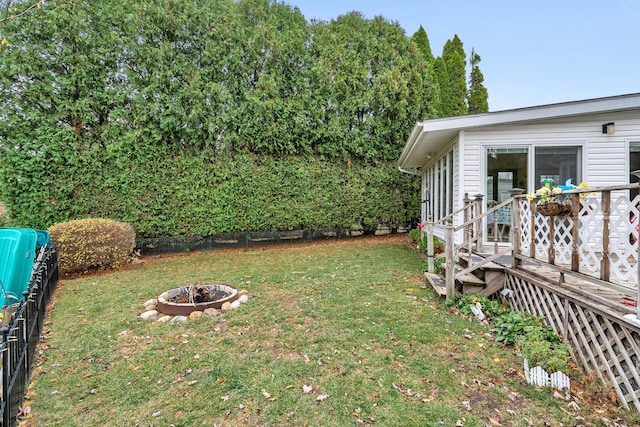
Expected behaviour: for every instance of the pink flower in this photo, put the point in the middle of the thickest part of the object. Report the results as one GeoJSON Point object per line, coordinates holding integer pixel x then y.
{"type": "Point", "coordinates": [422, 225]}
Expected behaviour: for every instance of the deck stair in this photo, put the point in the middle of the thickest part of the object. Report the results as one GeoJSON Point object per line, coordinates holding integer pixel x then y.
{"type": "Point", "coordinates": [485, 280]}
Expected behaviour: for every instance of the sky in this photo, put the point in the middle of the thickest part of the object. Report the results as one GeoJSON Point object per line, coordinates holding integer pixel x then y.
{"type": "Point", "coordinates": [534, 52]}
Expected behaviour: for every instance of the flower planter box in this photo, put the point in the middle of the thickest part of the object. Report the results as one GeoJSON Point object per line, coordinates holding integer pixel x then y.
{"type": "Point", "coordinates": [541, 378]}
{"type": "Point", "coordinates": [555, 208]}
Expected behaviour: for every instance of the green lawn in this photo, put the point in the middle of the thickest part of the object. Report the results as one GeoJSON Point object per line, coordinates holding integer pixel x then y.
{"type": "Point", "coordinates": [334, 334]}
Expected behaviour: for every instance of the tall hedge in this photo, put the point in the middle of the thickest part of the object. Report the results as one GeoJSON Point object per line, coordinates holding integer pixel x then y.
{"type": "Point", "coordinates": [206, 116]}
{"type": "Point", "coordinates": [187, 196]}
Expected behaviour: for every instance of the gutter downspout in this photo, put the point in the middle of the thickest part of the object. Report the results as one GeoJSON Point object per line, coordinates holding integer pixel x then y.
{"type": "Point", "coordinates": [416, 173]}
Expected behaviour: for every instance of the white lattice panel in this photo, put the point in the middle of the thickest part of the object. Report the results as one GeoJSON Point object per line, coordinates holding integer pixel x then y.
{"type": "Point", "coordinates": [542, 236]}
{"type": "Point", "coordinates": [590, 231]}
{"type": "Point", "coordinates": [563, 239]}
{"type": "Point", "coordinates": [624, 228]}
{"type": "Point", "coordinates": [525, 226]}
{"type": "Point", "coordinates": [622, 238]}
{"type": "Point", "coordinates": [603, 344]}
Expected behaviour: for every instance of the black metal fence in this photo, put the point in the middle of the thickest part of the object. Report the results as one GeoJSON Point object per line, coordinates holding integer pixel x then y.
{"type": "Point", "coordinates": [21, 333]}
{"type": "Point", "coordinates": [158, 245]}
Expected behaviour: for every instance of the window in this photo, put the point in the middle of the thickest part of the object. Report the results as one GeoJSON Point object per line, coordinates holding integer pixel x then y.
{"type": "Point", "coordinates": [634, 165]}
{"type": "Point", "coordinates": [440, 178]}
{"type": "Point", "coordinates": [558, 163]}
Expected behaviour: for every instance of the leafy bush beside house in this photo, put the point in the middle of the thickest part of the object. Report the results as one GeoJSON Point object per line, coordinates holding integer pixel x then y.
{"type": "Point", "coordinates": [532, 337]}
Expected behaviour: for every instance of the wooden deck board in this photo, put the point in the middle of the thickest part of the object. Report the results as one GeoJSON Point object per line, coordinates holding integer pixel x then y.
{"type": "Point", "coordinates": [599, 293]}
{"type": "Point", "coordinates": [437, 282]}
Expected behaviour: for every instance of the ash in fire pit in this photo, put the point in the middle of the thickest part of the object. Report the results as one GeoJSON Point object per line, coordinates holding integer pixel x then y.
{"type": "Point", "coordinates": [196, 297]}
{"type": "Point", "coordinates": [201, 293]}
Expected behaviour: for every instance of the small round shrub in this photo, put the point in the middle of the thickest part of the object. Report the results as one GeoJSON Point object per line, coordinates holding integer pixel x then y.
{"type": "Point", "coordinates": [92, 244]}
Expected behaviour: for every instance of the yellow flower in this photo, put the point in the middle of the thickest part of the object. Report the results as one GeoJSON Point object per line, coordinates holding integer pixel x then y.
{"type": "Point", "coordinates": [584, 186]}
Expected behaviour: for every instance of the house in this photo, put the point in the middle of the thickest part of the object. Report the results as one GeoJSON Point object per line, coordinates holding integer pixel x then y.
{"type": "Point", "coordinates": [596, 141]}
{"type": "Point", "coordinates": [577, 268]}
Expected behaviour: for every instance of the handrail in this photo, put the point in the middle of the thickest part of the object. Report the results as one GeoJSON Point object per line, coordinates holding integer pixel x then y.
{"type": "Point", "coordinates": [451, 215]}
{"type": "Point", "coordinates": [484, 262]}
{"type": "Point", "coordinates": [484, 214]}
{"type": "Point", "coordinates": [472, 222]}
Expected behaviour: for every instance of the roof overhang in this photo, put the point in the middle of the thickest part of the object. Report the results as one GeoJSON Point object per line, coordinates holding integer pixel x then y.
{"type": "Point", "coordinates": [430, 136]}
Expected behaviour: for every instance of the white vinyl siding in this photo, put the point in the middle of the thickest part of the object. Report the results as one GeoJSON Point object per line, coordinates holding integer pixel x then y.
{"type": "Point", "coordinates": [604, 156]}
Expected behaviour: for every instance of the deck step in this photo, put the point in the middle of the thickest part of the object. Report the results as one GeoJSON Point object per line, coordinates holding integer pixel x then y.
{"type": "Point", "coordinates": [494, 280]}
{"type": "Point", "coordinates": [469, 279]}
{"type": "Point", "coordinates": [469, 283]}
{"type": "Point", "coordinates": [437, 282]}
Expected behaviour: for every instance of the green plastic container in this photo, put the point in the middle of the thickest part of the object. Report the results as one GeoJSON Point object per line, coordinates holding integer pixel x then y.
{"type": "Point", "coordinates": [17, 252]}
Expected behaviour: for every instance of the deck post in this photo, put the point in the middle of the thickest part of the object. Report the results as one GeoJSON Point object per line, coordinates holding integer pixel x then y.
{"type": "Point", "coordinates": [478, 223]}
{"type": "Point", "coordinates": [638, 275]}
{"type": "Point", "coordinates": [605, 262]}
{"type": "Point", "coordinates": [466, 216]}
{"type": "Point", "coordinates": [449, 264]}
{"type": "Point", "coordinates": [515, 233]}
{"type": "Point", "coordinates": [575, 215]}
{"type": "Point", "coordinates": [430, 251]}
{"type": "Point", "coordinates": [532, 229]}
{"type": "Point", "coordinates": [552, 240]}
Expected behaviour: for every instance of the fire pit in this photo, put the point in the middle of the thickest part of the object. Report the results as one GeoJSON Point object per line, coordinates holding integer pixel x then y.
{"type": "Point", "coordinates": [197, 297]}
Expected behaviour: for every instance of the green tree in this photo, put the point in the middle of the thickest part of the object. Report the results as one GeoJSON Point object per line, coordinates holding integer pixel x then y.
{"type": "Point", "coordinates": [176, 115]}
{"type": "Point", "coordinates": [421, 40]}
{"type": "Point", "coordinates": [444, 85]}
{"type": "Point", "coordinates": [372, 85]}
{"type": "Point", "coordinates": [58, 90]}
{"type": "Point", "coordinates": [277, 80]}
{"type": "Point", "coordinates": [455, 60]}
{"type": "Point", "coordinates": [478, 95]}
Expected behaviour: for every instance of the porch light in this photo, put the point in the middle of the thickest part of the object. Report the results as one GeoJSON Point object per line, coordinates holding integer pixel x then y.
{"type": "Point", "coordinates": [608, 128]}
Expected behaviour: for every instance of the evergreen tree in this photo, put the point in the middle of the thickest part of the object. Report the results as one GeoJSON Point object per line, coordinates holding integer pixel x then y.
{"type": "Point", "coordinates": [421, 40]}
{"type": "Point", "coordinates": [365, 73]}
{"type": "Point", "coordinates": [455, 59]}
{"type": "Point", "coordinates": [478, 95]}
{"type": "Point", "coordinates": [444, 86]}
{"type": "Point", "coordinates": [144, 111]}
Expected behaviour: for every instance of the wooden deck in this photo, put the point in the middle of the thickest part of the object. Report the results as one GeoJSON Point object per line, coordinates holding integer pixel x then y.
{"type": "Point", "coordinates": [580, 271]}
{"type": "Point", "coordinates": [598, 319]}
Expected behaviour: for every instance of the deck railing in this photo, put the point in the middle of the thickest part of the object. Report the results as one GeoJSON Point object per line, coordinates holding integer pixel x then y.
{"type": "Point", "coordinates": [595, 242]}
{"type": "Point", "coordinates": [20, 334]}
{"type": "Point", "coordinates": [472, 232]}
{"type": "Point", "coordinates": [599, 238]}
